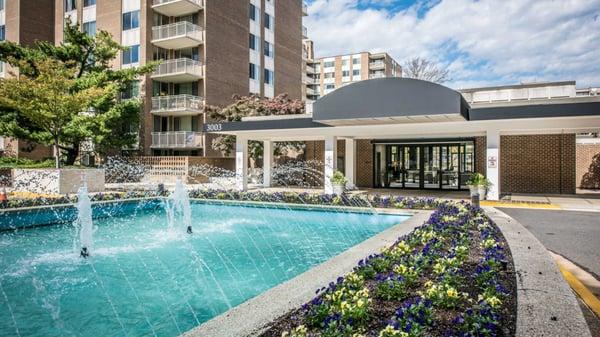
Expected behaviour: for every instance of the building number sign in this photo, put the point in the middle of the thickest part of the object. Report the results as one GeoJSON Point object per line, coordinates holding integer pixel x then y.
{"type": "Point", "coordinates": [214, 127]}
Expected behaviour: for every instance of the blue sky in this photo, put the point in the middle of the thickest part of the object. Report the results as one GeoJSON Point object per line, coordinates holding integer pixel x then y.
{"type": "Point", "coordinates": [485, 42]}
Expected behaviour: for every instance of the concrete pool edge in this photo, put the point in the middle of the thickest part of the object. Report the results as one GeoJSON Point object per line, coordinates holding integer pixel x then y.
{"type": "Point", "coordinates": [253, 316]}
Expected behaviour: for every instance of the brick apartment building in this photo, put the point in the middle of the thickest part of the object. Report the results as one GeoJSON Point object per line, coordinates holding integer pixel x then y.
{"type": "Point", "coordinates": [411, 134]}
{"type": "Point", "coordinates": [324, 75]}
{"type": "Point", "coordinates": [210, 50]}
{"type": "Point", "coordinates": [24, 22]}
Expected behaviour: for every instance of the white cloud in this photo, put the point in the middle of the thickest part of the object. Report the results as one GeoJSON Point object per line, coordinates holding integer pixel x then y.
{"type": "Point", "coordinates": [484, 42]}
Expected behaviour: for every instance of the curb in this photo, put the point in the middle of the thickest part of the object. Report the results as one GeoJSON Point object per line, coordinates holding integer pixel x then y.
{"type": "Point", "coordinates": [582, 291]}
{"type": "Point", "coordinates": [546, 305]}
{"type": "Point", "coordinates": [252, 317]}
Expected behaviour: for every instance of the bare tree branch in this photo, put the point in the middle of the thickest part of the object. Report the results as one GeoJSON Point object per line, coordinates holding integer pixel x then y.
{"type": "Point", "coordinates": [423, 69]}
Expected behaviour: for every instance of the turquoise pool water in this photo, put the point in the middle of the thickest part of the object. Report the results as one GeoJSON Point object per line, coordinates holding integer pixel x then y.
{"type": "Point", "coordinates": [146, 279]}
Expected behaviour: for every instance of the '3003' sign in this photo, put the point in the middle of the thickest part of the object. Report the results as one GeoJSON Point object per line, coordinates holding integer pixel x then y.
{"type": "Point", "coordinates": [214, 127]}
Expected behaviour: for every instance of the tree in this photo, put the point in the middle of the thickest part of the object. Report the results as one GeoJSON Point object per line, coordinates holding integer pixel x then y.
{"type": "Point", "coordinates": [87, 60]}
{"type": "Point", "coordinates": [248, 106]}
{"type": "Point", "coordinates": [49, 101]}
{"type": "Point", "coordinates": [423, 69]}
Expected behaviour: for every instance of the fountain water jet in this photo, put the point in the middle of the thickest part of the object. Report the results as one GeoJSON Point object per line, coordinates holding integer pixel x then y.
{"type": "Point", "coordinates": [84, 220]}
{"type": "Point", "coordinates": [180, 203]}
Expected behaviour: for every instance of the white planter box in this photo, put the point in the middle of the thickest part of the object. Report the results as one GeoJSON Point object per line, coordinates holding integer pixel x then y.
{"type": "Point", "coordinates": [61, 181]}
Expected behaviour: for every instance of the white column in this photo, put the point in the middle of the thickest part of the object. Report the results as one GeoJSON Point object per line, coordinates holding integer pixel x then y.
{"type": "Point", "coordinates": [241, 163]}
{"type": "Point", "coordinates": [267, 162]}
{"type": "Point", "coordinates": [350, 162]}
{"type": "Point", "coordinates": [330, 161]}
{"type": "Point", "coordinates": [493, 163]}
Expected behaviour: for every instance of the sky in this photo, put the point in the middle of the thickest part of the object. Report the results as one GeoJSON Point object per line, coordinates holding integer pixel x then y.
{"type": "Point", "coordinates": [482, 43]}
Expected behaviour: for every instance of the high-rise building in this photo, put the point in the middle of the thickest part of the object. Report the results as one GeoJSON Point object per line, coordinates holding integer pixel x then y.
{"type": "Point", "coordinates": [24, 22]}
{"type": "Point", "coordinates": [209, 50]}
{"type": "Point", "coordinates": [325, 74]}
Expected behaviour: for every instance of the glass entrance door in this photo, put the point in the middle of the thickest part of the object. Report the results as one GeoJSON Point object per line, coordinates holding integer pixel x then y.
{"type": "Point", "coordinates": [426, 166]}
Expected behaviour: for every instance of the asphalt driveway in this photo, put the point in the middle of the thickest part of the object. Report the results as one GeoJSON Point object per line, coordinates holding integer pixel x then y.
{"type": "Point", "coordinates": [574, 235]}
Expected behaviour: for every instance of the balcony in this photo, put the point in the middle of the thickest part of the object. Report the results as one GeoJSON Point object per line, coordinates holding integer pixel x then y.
{"type": "Point", "coordinates": [310, 69]}
{"type": "Point", "coordinates": [177, 140]}
{"type": "Point", "coordinates": [377, 65]}
{"type": "Point", "coordinates": [179, 71]}
{"type": "Point", "coordinates": [304, 9]}
{"type": "Point", "coordinates": [178, 35]}
{"type": "Point", "coordinates": [177, 105]}
{"type": "Point", "coordinates": [311, 92]}
{"type": "Point", "coordinates": [377, 75]}
{"type": "Point", "coordinates": [177, 7]}
{"type": "Point", "coordinates": [304, 32]}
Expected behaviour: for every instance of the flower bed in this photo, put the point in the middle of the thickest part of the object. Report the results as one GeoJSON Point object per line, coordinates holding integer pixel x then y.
{"type": "Point", "coordinates": [29, 199]}
{"type": "Point", "coordinates": [452, 276]}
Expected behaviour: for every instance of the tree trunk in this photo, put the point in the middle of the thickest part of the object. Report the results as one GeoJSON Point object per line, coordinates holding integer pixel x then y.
{"type": "Point", "coordinates": [56, 153]}
{"type": "Point", "coordinates": [72, 155]}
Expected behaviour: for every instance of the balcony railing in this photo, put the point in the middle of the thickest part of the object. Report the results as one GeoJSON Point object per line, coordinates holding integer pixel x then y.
{"type": "Point", "coordinates": [177, 105]}
{"type": "Point", "coordinates": [189, 34]}
{"type": "Point", "coordinates": [304, 9]}
{"type": "Point", "coordinates": [177, 7]}
{"type": "Point", "coordinates": [376, 75]}
{"type": "Point", "coordinates": [179, 70]}
{"type": "Point", "coordinates": [377, 64]}
{"type": "Point", "coordinates": [304, 32]}
{"type": "Point", "coordinates": [177, 139]}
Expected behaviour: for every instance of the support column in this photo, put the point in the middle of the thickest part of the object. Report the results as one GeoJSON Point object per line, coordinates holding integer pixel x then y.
{"type": "Point", "coordinates": [267, 162]}
{"type": "Point", "coordinates": [493, 163]}
{"type": "Point", "coordinates": [350, 162]}
{"type": "Point", "coordinates": [241, 163]}
{"type": "Point", "coordinates": [330, 161]}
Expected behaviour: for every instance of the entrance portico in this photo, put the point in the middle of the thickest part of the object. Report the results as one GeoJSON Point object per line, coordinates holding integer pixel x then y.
{"type": "Point", "coordinates": [418, 133]}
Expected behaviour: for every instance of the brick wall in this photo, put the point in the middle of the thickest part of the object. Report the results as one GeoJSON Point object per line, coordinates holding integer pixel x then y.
{"type": "Point", "coordinates": [364, 163]}
{"type": "Point", "coordinates": [480, 154]}
{"type": "Point", "coordinates": [537, 164]}
{"type": "Point", "coordinates": [587, 166]}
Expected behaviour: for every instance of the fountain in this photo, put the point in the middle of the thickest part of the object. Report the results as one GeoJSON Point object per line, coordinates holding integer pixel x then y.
{"type": "Point", "coordinates": [179, 203]}
{"type": "Point", "coordinates": [84, 220]}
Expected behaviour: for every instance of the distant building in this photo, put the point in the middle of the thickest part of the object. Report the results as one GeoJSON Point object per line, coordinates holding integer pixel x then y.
{"type": "Point", "coordinates": [325, 74]}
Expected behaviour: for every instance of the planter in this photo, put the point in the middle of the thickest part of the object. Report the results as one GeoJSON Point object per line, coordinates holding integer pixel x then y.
{"type": "Point", "coordinates": [338, 189]}
{"type": "Point", "coordinates": [480, 190]}
{"type": "Point", "coordinates": [58, 181]}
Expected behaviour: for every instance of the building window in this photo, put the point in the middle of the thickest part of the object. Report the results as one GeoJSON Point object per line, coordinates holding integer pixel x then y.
{"type": "Point", "coordinates": [132, 90]}
{"type": "Point", "coordinates": [253, 41]}
{"type": "Point", "coordinates": [90, 28]}
{"type": "Point", "coordinates": [329, 64]}
{"type": "Point", "coordinates": [131, 55]}
{"type": "Point", "coordinates": [268, 21]}
{"type": "Point", "coordinates": [87, 3]}
{"type": "Point", "coordinates": [329, 75]}
{"type": "Point", "coordinates": [253, 71]}
{"type": "Point", "coordinates": [131, 20]}
{"type": "Point", "coordinates": [268, 49]}
{"type": "Point", "coordinates": [70, 5]}
{"type": "Point", "coordinates": [344, 63]}
{"type": "Point", "coordinates": [1, 5]}
{"type": "Point", "coordinates": [345, 73]}
{"type": "Point", "coordinates": [2, 33]}
{"type": "Point", "coordinates": [355, 72]}
{"type": "Point", "coordinates": [330, 86]}
{"type": "Point", "coordinates": [252, 13]}
{"type": "Point", "coordinates": [355, 61]}
{"type": "Point", "coordinates": [269, 77]}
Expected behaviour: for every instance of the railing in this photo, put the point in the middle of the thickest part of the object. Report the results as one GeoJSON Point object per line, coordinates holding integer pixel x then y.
{"type": "Point", "coordinates": [162, 2]}
{"type": "Point", "coordinates": [304, 9]}
{"type": "Point", "coordinates": [377, 64]}
{"type": "Point", "coordinates": [177, 66]}
{"type": "Point", "coordinates": [177, 29]}
{"type": "Point", "coordinates": [177, 139]}
{"type": "Point", "coordinates": [176, 103]}
{"type": "Point", "coordinates": [377, 75]}
{"type": "Point", "coordinates": [304, 32]}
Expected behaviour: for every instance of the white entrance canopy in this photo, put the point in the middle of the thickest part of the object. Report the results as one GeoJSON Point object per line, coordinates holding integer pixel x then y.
{"type": "Point", "coordinates": [397, 108]}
